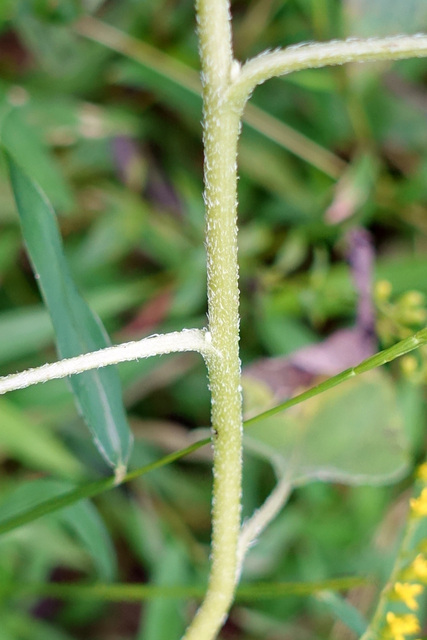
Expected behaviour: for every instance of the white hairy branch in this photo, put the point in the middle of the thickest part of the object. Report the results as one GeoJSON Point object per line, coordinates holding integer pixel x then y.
{"type": "Point", "coordinates": [262, 517]}
{"type": "Point", "coordinates": [321, 54]}
{"type": "Point", "coordinates": [178, 341]}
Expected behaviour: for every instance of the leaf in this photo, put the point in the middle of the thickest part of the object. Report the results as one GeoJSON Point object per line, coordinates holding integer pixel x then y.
{"type": "Point", "coordinates": [25, 144]}
{"type": "Point", "coordinates": [163, 618]}
{"type": "Point", "coordinates": [351, 434]}
{"type": "Point", "coordinates": [33, 444]}
{"type": "Point", "coordinates": [30, 513]}
{"type": "Point", "coordinates": [26, 627]}
{"type": "Point", "coordinates": [82, 518]}
{"type": "Point", "coordinates": [78, 330]}
{"type": "Point", "coordinates": [86, 522]}
{"type": "Point", "coordinates": [343, 610]}
{"type": "Point", "coordinates": [133, 592]}
{"type": "Point", "coordinates": [385, 17]}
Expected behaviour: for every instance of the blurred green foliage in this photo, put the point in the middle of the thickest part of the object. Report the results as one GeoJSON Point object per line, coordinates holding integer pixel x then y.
{"type": "Point", "coordinates": [112, 133]}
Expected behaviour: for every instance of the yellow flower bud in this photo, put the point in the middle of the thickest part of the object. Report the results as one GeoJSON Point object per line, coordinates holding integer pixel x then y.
{"type": "Point", "coordinates": [402, 625]}
{"type": "Point", "coordinates": [412, 299]}
{"type": "Point", "coordinates": [382, 290]}
{"type": "Point", "coordinates": [419, 567]}
{"type": "Point", "coordinates": [407, 592]}
{"type": "Point", "coordinates": [419, 505]}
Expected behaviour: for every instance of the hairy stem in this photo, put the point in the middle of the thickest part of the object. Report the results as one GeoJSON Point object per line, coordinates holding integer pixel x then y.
{"type": "Point", "coordinates": [178, 341]}
{"type": "Point", "coordinates": [299, 57]}
{"type": "Point", "coordinates": [172, 70]}
{"type": "Point", "coordinates": [221, 129]}
{"type": "Point", "coordinates": [262, 517]}
{"type": "Point", "coordinates": [226, 88]}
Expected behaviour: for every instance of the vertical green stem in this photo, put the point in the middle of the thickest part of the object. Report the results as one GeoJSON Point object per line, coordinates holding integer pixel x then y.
{"type": "Point", "coordinates": [221, 130]}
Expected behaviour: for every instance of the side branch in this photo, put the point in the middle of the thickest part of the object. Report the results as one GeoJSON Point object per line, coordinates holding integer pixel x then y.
{"type": "Point", "coordinates": [178, 341]}
{"type": "Point", "coordinates": [314, 55]}
{"type": "Point", "coordinates": [399, 349]}
{"type": "Point", "coordinates": [262, 517]}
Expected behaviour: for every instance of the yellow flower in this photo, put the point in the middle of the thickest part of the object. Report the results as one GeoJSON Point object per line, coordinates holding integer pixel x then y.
{"type": "Point", "coordinates": [407, 593]}
{"type": "Point", "coordinates": [401, 626]}
{"type": "Point", "coordinates": [422, 472]}
{"type": "Point", "coordinates": [419, 566]}
{"type": "Point", "coordinates": [419, 505]}
{"type": "Point", "coordinates": [382, 290]}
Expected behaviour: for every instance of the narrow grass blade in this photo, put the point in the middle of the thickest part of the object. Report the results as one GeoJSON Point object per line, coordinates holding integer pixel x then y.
{"type": "Point", "coordinates": [343, 610]}
{"type": "Point", "coordinates": [82, 518]}
{"type": "Point", "coordinates": [25, 143]}
{"type": "Point", "coordinates": [140, 592]}
{"type": "Point", "coordinates": [397, 350]}
{"type": "Point", "coordinates": [88, 490]}
{"type": "Point", "coordinates": [97, 393]}
{"type": "Point", "coordinates": [26, 627]}
{"type": "Point", "coordinates": [163, 618]}
{"type": "Point", "coordinates": [33, 444]}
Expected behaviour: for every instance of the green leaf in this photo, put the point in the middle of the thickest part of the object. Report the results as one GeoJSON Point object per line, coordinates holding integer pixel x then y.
{"type": "Point", "coordinates": [82, 518]}
{"type": "Point", "coordinates": [33, 444]}
{"type": "Point", "coordinates": [78, 330]}
{"type": "Point", "coordinates": [25, 144]}
{"type": "Point", "coordinates": [26, 627]}
{"type": "Point", "coordinates": [85, 521]}
{"type": "Point", "coordinates": [343, 610]}
{"type": "Point", "coordinates": [119, 592]}
{"type": "Point", "coordinates": [30, 513]}
{"type": "Point", "coordinates": [352, 434]}
{"type": "Point", "coordinates": [163, 618]}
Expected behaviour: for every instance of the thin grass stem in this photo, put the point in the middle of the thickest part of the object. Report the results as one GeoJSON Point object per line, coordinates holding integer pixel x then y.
{"type": "Point", "coordinates": [382, 357]}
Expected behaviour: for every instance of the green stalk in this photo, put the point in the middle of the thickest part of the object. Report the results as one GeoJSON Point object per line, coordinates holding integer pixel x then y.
{"type": "Point", "coordinates": [221, 130]}
{"type": "Point", "coordinates": [399, 349]}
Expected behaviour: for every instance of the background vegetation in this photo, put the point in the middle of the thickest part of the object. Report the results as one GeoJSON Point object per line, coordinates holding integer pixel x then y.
{"type": "Point", "coordinates": [111, 131]}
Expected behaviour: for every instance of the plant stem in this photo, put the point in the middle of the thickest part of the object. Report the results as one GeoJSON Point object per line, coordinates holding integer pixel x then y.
{"type": "Point", "coordinates": [176, 342]}
{"type": "Point", "coordinates": [309, 56]}
{"type": "Point", "coordinates": [172, 70]}
{"type": "Point", "coordinates": [262, 517]}
{"type": "Point", "coordinates": [137, 592]}
{"type": "Point", "coordinates": [399, 349]}
{"type": "Point", "coordinates": [410, 545]}
{"type": "Point", "coordinates": [221, 129]}
{"type": "Point", "coordinates": [88, 490]}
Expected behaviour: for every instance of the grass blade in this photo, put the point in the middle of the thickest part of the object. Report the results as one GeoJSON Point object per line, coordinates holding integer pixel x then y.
{"type": "Point", "coordinates": [377, 360]}
{"type": "Point", "coordinates": [82, 518]}
{"type": "Point", "coordinates": [33, 444]}
{"type": "Point", "coordinates": [139, 592]}
{"type": "Point", "coordinates": [89, 490]}
{"type": "Point", "coordinates": [97, 393]}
